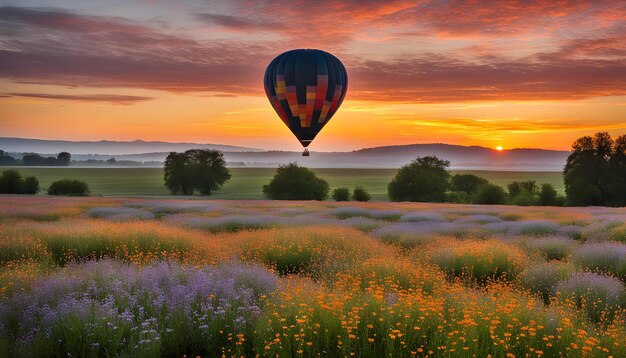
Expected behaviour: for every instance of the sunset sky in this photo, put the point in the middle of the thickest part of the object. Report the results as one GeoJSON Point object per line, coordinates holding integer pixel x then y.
{"type": "Point", "coordinates": [501, 73]}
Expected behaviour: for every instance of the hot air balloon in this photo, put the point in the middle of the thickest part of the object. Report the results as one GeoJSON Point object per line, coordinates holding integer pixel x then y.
{"type": "Point", "coordinates": [306, 87]}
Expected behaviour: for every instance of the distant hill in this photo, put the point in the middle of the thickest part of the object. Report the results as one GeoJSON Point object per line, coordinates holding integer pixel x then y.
{"type": "Point", "coordinates": [20, 145]}
{"type": "Point", "coordinates": [460, 157]}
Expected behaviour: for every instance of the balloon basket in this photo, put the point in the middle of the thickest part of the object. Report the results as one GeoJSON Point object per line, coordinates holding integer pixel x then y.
{"type": "Point", "coordinates": [305, 153]}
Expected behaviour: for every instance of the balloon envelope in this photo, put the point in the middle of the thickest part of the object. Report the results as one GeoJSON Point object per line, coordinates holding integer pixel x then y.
{"type": "Point", "coordinates": [306, 87]}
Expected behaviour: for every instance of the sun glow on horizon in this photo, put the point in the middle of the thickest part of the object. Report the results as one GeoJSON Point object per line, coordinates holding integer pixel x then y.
{"type": "Point", "coordinates": [499, 148]}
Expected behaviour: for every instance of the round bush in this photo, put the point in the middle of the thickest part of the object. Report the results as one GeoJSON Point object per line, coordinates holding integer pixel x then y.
{"type": "Point", "coordinates": [293, 182]}
{"type": "Point", "coordinates": [360, 194]}
{"type": "Point", "coordinates": [341, 194]}
{"type": "Point", "coordinates": [71, 187]}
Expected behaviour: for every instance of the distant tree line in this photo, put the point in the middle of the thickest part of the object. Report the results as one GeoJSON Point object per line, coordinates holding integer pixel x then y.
{"type": "Point", "coordinates": [33, 159]}
{"type": "Point", "coordinates": [595, 174]}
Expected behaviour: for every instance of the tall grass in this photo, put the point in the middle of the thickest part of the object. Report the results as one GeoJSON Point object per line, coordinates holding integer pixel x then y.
{"type": "Point", "coordinates": [311, 251]}
{"type": "Point", "coordinates": [475, 261]}
{"type": "Point", "coordinates": [78, 240]}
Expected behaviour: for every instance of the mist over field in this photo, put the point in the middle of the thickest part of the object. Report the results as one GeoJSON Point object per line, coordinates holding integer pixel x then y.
{"type": "Point", "coordinates": [460, 157]}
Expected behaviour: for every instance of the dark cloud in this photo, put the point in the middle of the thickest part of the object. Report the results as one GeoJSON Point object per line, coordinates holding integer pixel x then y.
{"type": "Point", "coordinates": [239, 23]}
{"type": "Point", "coordinates": [110, 98]}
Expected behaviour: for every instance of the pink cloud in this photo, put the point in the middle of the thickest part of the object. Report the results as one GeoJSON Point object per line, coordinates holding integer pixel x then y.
{"type": "Point", "coordinates": [64, 48]}
{"type": "Point", "coordinates": [110, 98]}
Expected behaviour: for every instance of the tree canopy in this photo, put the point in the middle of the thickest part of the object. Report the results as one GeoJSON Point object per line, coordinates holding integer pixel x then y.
{"type": "Point", "coordinates": [595, 172]}
{"type": "Point", "coordinates": [196, 169]}
{"type": "Point", "coordinates": [467, 183]}
{"type": "Point", "coordinates": [293, 182]}
{"type": "Point", "coordinates": [424, 179]}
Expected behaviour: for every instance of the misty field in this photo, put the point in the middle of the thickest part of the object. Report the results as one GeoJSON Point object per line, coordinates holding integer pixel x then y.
{"type": "Point", "coordinates": [246, 183]}
{"type": "Point", "coordinates": [139, 277]}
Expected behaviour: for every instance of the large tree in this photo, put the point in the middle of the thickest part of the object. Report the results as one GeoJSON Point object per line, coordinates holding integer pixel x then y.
{"type": "Point", "coordinates": [209, 169]}
{"type": "Point", "coordinates": [424, 179]}
{"type": "Point", "coordinates": [594, 172]}
{"type": "Point", "coordinates": [196, 169]}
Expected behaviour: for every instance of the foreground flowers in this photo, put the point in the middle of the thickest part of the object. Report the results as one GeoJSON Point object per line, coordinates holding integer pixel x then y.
{"type": "Point", "coordinates": [90, 277]}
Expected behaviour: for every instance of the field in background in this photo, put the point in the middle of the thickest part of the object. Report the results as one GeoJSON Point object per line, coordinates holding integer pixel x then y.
{"type": "Point", "coordinates": [246, 183]}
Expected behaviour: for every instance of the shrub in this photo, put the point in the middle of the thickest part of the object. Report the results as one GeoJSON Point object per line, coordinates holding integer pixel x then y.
{"type": "Point", "coordinates": [424, 179]}
{"type": "Point", "coordinates": [597, 295]}
{"type": "Point", "coordinates": [360, 194]}
{"type": "Point", "coordinates": [490, 194]}
{"type": "Point", "coordinates": [11, 182]}
{"type": "Point", "coordinates": [30, 185]}
{"type": "Point", "coordinates": [293, 182]}
{"type": "Point", "coordinates": [543, 278]}
{"type": "Point", "coordinates": [341, 194]}
{"type": "Point", "coordinates": [71, 187]}
{"type": "Point", "coordinates": [553, 248]}
{"type": "Point", "coordinates": [477, 261]}
{"type": "Point", "coordinates": [605, 257]}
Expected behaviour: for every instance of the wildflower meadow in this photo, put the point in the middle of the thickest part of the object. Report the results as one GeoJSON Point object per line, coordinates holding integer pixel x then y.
{"type": "Point", "coordinates": [109, 277]}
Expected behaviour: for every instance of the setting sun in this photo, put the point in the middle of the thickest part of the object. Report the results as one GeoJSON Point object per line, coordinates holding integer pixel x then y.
{"type": "Point", "coordinates": [499, 148]}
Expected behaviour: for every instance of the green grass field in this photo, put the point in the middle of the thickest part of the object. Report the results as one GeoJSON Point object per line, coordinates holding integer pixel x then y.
{"type": "Point", "coordinates": [246, 183]}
